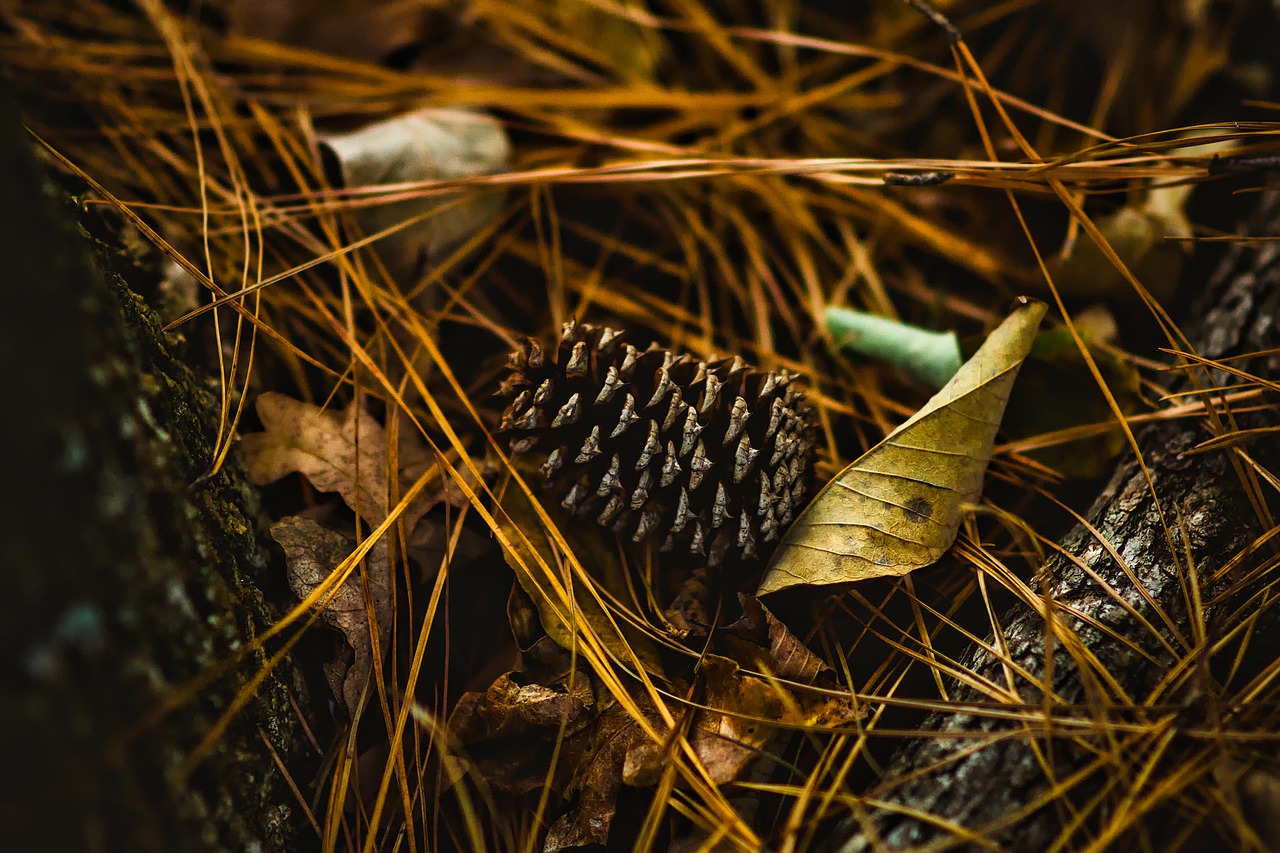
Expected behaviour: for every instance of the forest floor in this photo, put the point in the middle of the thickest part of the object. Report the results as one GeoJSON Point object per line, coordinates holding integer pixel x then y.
{"type": "Point", "coordinates": [664, 412]}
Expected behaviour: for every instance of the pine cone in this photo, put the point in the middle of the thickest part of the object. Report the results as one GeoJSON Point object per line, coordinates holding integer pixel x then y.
{"type": "Point", "coordinates": [713, 457]}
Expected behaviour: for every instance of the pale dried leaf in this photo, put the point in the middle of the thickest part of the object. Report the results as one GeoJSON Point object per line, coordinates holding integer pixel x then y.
{"type": "Point", "coordinates": [1142, 234]}
{"type": "Point", "coordinates": [728, 741]}
{"type": "Point", "coordinates": [1137, 235]}
{"type": "Point", "coordinates": [424, 145]}
{"type": "Point", "coordinates": [343, 452]}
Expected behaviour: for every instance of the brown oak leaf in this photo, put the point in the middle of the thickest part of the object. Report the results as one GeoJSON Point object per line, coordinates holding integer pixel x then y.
{"type": "Point", "coordinates": [344, 452]}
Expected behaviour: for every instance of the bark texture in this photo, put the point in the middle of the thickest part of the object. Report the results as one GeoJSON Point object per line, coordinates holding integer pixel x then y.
{"type": "Point", "coordinates": [125, 573]}
{"type": "Point", "coordinates": [959, 786]}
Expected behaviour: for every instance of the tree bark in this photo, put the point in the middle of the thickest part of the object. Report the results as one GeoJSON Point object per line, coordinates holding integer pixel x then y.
{"type": "Point", "coordinates": [126, 573]}
{"type": "Point", "coordinates": [974, 780]}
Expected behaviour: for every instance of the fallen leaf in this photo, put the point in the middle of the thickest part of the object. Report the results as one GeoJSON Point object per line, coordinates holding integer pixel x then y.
{"type": "Point", "coordinates": [1055, 390]}
{"type": "Point", "coordinates": [759, 640]}
{"type": "Point", "coordinates": [509, 731]}
{"type": "Point", "coordinates": [514, 706]}
{"type": "Point", "coordinates": [597, 779]}
{"type": "Point", "coordinates": [898, 507]}
{"type": "Point", "coordinates": [1139, 233]}
{"type": "Point", "coordinates": [421, 146]}
{"type": "Point", "coordinates": [729, 738]}
{"type": "Point", "coordinates": [596, 550]}
{"type": "Point", "coordinates": [512, 729]}
{"type": "Point", "coordinates": [692, 610]}
{"type": "Point", "coordinates": [343, 452]}
{"type": "Point", "coordinates": [526, 625]}
{"type": "Point", "coordinates": [633, 50]}
{"type": "Point", "coordinates": [312, 554]}
{"type": "Point", "coordinates": [744, 713]}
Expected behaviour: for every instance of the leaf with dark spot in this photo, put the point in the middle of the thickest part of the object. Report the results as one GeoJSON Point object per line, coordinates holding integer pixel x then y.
{"type": "Point", "coordinates": [898, 507]}
{"type": "Point", "coordinates": [918, 510]}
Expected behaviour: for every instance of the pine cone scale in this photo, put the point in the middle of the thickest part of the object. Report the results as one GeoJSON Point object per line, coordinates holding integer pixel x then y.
{"type": "Point", "coordinates": [708, 455]}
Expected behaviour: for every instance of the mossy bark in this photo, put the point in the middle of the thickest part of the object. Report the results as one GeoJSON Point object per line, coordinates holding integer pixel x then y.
{"type": "Point", "coordinates": [127, 572]}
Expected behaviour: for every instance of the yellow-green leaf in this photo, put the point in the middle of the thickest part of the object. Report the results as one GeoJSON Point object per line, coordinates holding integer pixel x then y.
{"type": "Point", "coordinates": [898, 507]}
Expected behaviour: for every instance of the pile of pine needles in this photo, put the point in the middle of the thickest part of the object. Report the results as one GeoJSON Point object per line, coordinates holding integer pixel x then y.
{"type": "Point", "coordinates": [713, 174]}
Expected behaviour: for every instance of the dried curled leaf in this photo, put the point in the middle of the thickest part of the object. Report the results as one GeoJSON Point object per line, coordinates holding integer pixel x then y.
{"type": "Point", "coordinates": [344, 452]}
{"type": "Point", "coordinates": [898, 507]}
{"type": "Point", "coordinates": [739, 722]}
{"type": "Point", "coordinates": [549, 707]}
{"type": "Point", "coordinates": [312, 554]}
{"type": "Point", "coordinates": [598, 778]}
{"type": "Point", "coordinates": [511, 730]}
{"type": "Point", "coordinates": [513, 706]}
{"type": "Point", "coordinates": [759, 640]}
{"type": "Point", "coordinates": [741, 719]}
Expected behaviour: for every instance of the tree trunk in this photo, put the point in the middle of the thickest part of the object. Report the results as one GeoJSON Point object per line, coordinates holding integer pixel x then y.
{"type": "Point", "coordinates": [975, 780]}
{"type": "Point", "coordinates": [127, 574]}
